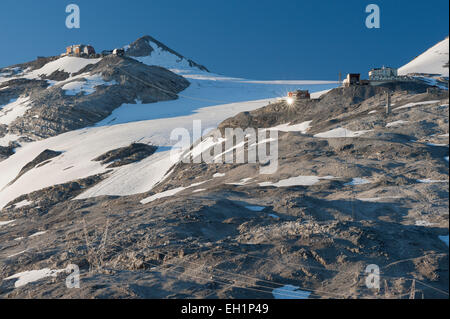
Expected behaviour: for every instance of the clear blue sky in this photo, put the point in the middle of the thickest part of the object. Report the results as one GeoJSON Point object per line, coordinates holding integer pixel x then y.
{"type": "Point", "coordinates": [256, 39]}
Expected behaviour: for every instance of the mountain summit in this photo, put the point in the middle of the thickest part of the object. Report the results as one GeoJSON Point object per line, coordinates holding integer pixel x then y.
{"type": "Point", "coordinates": [150, 51]}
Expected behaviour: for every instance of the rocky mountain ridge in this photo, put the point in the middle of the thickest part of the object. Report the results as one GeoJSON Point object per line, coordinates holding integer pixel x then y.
{"type": "Point", "coordinates": [53, 95]}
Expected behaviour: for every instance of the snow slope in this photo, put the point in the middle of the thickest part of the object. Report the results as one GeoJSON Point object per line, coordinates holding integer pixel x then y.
{"type": "Point", "coordinates": [165, 59]}
{"type": "Point", "coordinates": [14, 109]}
{"type": "Point", "coordinates": [5, 140]}
{"type": "Point", "coordinates": [431, 61]}
{"type": "Point", "coordinates": [86, 84]}
{"type": "Point", "coordinates": [152, 52]}
{"type": "Point", "coordinates": [68, 64]}
{"type": "Point", "coordinates": [210, 98]}
{"type": "Point", "coordinates": [210, 90]}
{"type": "Point", "coordinates": [74, 84]}
{"type": "Point", "coordinates": [81, 146]}
{"type": "Point", "coordinates": [206, 89]}
{"type": "Point", "coordinates": [203, 100]}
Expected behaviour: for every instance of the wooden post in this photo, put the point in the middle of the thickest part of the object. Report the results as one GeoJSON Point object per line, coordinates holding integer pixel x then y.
{"type": "Point", "coordinates": [387, 294]}
{"type": "Point", "coordinates": [412, 294]}
{"type": "Point", "coordinates": [388, 103]}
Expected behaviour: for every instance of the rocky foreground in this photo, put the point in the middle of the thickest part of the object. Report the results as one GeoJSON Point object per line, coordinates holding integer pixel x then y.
{"type": "Point", "coordinates": [354, 187]}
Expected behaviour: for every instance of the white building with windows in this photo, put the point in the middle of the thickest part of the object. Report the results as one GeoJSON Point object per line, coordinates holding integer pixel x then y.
{"type": "Point", "coordinates": [383, 74]}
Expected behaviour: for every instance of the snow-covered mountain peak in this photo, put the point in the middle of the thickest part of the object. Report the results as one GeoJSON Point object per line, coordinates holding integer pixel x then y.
{"type": "Point", "coordinates": [150, 51]}
{"type": "Point", "coordinates": [433, 61]}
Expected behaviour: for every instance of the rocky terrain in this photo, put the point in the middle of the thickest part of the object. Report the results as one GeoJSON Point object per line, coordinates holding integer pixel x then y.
{"type": "Point", "coordinates": [354, 187]}
{"type": "Point", "coordinates": [87, 179]}
{"type": "Point", "coordinates": [56, 101]}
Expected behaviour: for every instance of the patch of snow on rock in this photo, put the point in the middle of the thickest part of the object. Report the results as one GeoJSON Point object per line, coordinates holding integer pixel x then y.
{"type": "Point", "coordinates": [428, 181]}
{"type": "Point", "coordinates": [423, 223]}
{"type": "Point", "coordinates": [255, 208]}
{"type": "Point", "coordinates": [437, 145]}
{"type": "Point", "coordinates": [396, 123]}
{"type": "Point", "coordinates": [376, 199]}
{"type": "Point", "coordinates": [242, 182]}
{"type": "Point", "coordinates": [341, 132]}
{"type": "Point", "coordinates": [87, 86]}
{"type": "Point", "coordinates": [18, 253]}
{"type": "Point", "coordinates": [27, 277]}
{"type": "Point", "coordinates": [358, 181]}
{"type": "Point", "coordinates": [5, 140]}
{"type": "Point", "coordinates": [296, 181]}
{"type": "Point", "coordinates": [290, 292]}
{"type": "Point", "coordinates": [22, 204]}
{"type": "Point", "coordinates": [39, 233]}
{"type": "Point", "coordinates": [164, 194]}
{"type": "Point", "coordinates": [444, 239]}
{"type": "Point", "coordinates": [3, 223]}
{"type": "Point", "coordinates": [15, 109]}
{"type": "Point", "coordinates": [301, 127]}
{"type": "Point", "coordinates": [415, 104]}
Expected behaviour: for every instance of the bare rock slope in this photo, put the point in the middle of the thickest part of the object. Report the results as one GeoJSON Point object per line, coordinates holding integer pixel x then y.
{"type": "Point", "coordinates": [55, 112]}
{"type": "Point", "coordinates": [354, 187]}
